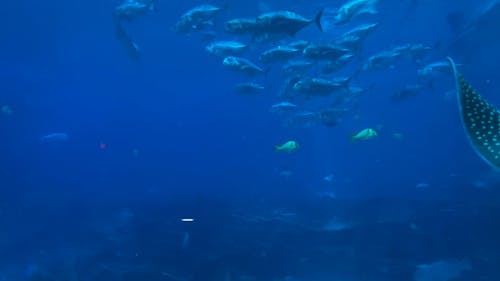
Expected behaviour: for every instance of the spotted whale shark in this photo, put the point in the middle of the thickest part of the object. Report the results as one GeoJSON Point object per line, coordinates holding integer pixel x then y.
{"type": "Point", "coordinates": [480, 119]}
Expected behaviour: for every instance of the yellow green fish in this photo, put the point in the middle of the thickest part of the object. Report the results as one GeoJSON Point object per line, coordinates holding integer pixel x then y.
{"type": "Point", "coordinates": [364, 135]}
{"type": "Point", "coordinates": [289, 146]}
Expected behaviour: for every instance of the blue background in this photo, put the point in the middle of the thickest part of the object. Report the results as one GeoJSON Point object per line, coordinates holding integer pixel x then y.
{"type": "Point", "coordinates": [206, 152]}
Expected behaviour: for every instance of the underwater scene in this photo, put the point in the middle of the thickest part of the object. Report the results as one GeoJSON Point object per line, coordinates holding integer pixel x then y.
{"type": "Point", "coordinates": [266, 140]}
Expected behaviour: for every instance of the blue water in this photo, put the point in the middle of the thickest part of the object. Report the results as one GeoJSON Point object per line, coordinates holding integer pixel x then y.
{"type": "Point", "coordinates": [164, 137]}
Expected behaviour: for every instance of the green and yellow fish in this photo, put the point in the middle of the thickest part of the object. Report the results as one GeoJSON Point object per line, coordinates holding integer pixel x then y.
{"type": "Point", "coordinates": [289, 146]}
{"type": "Point", "coordinates": [364, 135]}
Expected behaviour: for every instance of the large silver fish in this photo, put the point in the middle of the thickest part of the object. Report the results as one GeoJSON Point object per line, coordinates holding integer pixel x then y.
{"type": "Point", "coordinates": [481, 120]}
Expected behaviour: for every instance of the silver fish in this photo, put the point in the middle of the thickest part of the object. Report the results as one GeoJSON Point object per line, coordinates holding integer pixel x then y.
{"type": "Point", "coordinates": [324, 52]}
{"type": "Point", "coordinates": [480, 119]}
{"type": "Point", "coordinates": [248, 88]}
{"type": "Point", "coordinates": [351, 42]}
{"type": "Point", "coordinates": [299, 44]}
{"type": "Point", "coordinates": [285, 22]}
{"type": "Point", "coordinates": [226, 48]}
{"type": "Point", "coordinates": [242, 65]}
{"type": "Point", "coordinates": [196, 19]}
{"type": "Point", "coordinates": [130, 9]}
{"type": "Point", "coordinates": [278, 53]}
{"type": "Point", "coordinates": [333, 66]}
{"type": "Point", "coordinates": [317, 86]}
{"type": "Point", "coordinates": [241, 26]}
{"type": "Point", "coordinates": [361, 30]}
{"type": "Point", "coordinates": [434, 69]}
{"type": "Point", "coordinates": [382, 60]}
{"type": "Point", "coordinates": [54, 138]}
{"type": "Point", "coordinates": [354, 8]}
{"type": "Point", "coordinates": [283, 106]}
{"type": "Point", "coordinates": [296, 67]}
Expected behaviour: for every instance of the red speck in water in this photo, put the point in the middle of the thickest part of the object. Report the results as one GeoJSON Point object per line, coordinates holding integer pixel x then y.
{"type": "Point", "coordinates": [102, 145]}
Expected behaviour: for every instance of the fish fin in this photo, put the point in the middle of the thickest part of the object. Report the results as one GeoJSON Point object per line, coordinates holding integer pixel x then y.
{"type": "Point", "coordinates": [317, 19]}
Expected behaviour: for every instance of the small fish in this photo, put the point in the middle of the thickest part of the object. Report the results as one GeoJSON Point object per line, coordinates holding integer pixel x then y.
{"type": "Point", "coordinates": [196, 19]}
{"type": "Point", "coordinates": [336, 65]}
{"type": "Point", "coordinates": [296, 67]}
{"type": "Point", "coordinates": [364, 135]}
{"type": "Point", "coordinates": [318, 86]}
{"type": "Point", "coordinates": [130, 9]}
{"type": "Point", "coordinates": [422, 184]}
{"type": "Point", "coordinates": [351, 42]}
{"type": "Point", "coordinates": [248, 88]}
{"type": "Point", "coordinates": [361, 30]}
{"type": "Point", "coordinates": [285, 22]}
{"type": "Point", "coordinates": [442, 270]}
{"type": "Point", "coordinates": [329, 178]}
{"type": "Point", "coordinates": [278, 53]}
{"type": "Point", "coordinates": [354, 8]}
{"type": "Point", "coordinates": [299, 44]}
{"type": "Point", "coordinates": [480, 119]}
{"type": "Point", "coordinates": [434, 69]}
{"type": "Point", "coordinates": [402, 49]}
{"type": "Point", "coordinates": [398, 136]}
{"type": "Point", "coordinates": [226, 48]}
{"type": "Point", "coordinates": [241, 26]}
{"type": "Point", "coordinates": [289, 146]}
{"type": "Point", "coordinates": [328, 52]}
{"type": "Point", "coordinates": [242, 65]}
{"type": "Point", "coordinates": [382, 60]}
{"type": "Point", "coordinates": [283, 106]}
{"type": "Point", "coordinates": [54, 138]}
{"type": "Point", "coordinates": [418, 51]}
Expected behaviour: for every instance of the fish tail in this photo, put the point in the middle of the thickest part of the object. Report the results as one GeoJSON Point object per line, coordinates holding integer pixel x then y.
{"type": "Point", "coordinates": [317, 19]}
{"type": "Point", "coordinates": [277, 148]}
